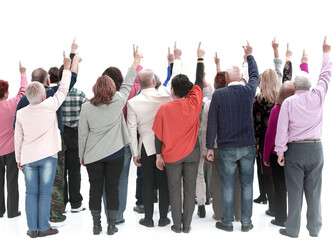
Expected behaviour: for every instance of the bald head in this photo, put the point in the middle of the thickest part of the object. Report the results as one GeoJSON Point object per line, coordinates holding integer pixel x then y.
{"type": "Point", "coordinates": [40, 75]}
{"type": "Point", "coordinates": [146, 78]}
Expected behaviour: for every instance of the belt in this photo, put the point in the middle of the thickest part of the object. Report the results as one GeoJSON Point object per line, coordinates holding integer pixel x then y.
{"type": "Point", "coordinates": [307, 141]}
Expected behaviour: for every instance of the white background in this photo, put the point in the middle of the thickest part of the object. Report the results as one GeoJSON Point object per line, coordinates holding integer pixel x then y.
{"type": "Point", "coordinates": [37, 32]}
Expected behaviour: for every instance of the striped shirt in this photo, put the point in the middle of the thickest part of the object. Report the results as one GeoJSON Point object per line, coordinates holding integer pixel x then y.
{"type": "Point", "coordinates": [72, 106]}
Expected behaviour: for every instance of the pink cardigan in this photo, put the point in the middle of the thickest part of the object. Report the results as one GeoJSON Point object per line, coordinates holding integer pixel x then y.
{"type": "Point", "coordinates": [7, 113]}
{"type": "Point", "coordinates": [36, 130]}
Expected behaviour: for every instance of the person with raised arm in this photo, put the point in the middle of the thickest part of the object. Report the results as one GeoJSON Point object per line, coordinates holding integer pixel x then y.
{"type": "Point", "coordinates": [141, 113]}
{"type": "Point", "coordinates": [103, 135]}
{"type": "Point", "coordinates": [37, 142]}
{"type": "Point", "coordinates": [7, 149]}
{"type": "Point", "coordinates": [299, 148]}
{"type": "Point", "coordinates": [230, 117]}
{"type": "Point", "coordinates": [176, 129]}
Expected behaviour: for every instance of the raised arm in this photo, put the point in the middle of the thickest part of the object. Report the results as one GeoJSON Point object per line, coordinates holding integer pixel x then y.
{"type": "Point", "coordinates": [170, 58]}
{"type": "Point", "coordinates": [177, 66]}
{"type": "Point", "coordinates": [23, 85]}
{"type": "Point", "coordinates": [252, 69]}
{"type": "Point", "coordinates": [59, 97]}
{"type": "Point", "coordinates": [245, 76]}
{"type": "Point", "coordinates": [130, 76]}
{"type": "Point", "coordinates": [277, 60]}
{"type": "Point", "coordinates": [326, 72]}
{"type": "Point", "coordinates": [200, 66]}
{"type": "Point", "coordinates": [304, 62]}
{"type": "Point", "coordinates": [217, 62]}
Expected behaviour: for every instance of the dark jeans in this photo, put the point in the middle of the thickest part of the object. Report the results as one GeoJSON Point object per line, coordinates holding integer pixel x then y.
{"type": "Point", "coordinates": [185, 169]}
{"type": "Point", "coordinates": [8, 164]}
{"type": "Point", "coordinates": [72, 168]}
{"type": "Point", "coordinates": [152, 177]}
{"type": "Point", "coordinates": [139, 187]}
{"type": "Point", "coordinates": [303, 173]}
{"type": "Point", "coordinates": [280, 189]}
{"type": "Point", "coordinates": [108, 170]}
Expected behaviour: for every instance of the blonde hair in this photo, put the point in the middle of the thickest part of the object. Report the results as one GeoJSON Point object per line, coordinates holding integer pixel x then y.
{"type": "Point", "coordinates": [287, 89]}
{"type": "Point", "coordinates": [269, 85]}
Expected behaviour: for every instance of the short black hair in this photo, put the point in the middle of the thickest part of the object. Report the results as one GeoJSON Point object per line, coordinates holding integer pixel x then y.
{"type": "Point", "coordinates": [181, 85]}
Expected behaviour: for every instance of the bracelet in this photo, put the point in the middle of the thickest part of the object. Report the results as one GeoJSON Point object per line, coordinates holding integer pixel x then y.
{"type": "Point", "coordinates": [200, 59]}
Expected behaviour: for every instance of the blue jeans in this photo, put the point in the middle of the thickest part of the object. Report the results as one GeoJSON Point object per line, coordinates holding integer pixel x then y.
{"type": "Point", "coordinates": [122, 186]}
{"type": "Point", "coordinates": [244, 158]}
{"type": "Point", "coordinates": [39, 177]}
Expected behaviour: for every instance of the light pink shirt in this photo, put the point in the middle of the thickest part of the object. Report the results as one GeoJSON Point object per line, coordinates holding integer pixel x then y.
{"type": "Point", "coordinates": [7, 115]}
{"type": "Point", "coordinates": [36, 129]}
{"type": "Point", "coordinates": [300, 117]}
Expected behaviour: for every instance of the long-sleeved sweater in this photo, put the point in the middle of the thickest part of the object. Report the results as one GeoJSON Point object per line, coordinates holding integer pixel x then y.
{"type": "Point", "coordinates": [230, 114]}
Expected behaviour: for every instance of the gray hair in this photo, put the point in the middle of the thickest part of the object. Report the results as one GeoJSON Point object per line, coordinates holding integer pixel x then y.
{"type": "Point", "coordinates": [35, 92]}
{"type": "Point", "coordinates": [234, 73]}
{"type": "Point", "coordinates": [157, 81]}
{"type": "Point", "coordinates": [302, 81]}
{"type": "Point", "coordinates": [145, 77]}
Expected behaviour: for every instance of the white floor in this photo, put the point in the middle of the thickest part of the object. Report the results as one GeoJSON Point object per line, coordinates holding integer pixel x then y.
{"type": "Point", "coordinates": [79, 225]}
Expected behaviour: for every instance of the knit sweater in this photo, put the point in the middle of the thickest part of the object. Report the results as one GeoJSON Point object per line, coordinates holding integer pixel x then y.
{"type": "Point", "coordinates": [230, 114]}
{"type": "Point", "coordinates": [102, 129]}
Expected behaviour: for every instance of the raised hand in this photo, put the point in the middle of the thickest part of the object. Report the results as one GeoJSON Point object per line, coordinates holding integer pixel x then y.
{"type": "Point", "coordinates": [177, 52]}
{"type": "Point", "coordinates": [74, 46]}
{"type": "Point", "coordinates": [22, 69]}
{"type": "Point", "coordinates": [326, 48]}
{"type": "Point", "coordinates": [170, 57]}
{"type": "Point", "coordinates": [216, 59]}
{"type": "Point", "coordinates": [288, 53]}
{"type": "Point", "coordinates": [67, 62]}
{"type": "Point", "coordinates": [248, 49]}
{"type": "Point", "coordinates": [200, 52]}
{"type": "Point", "coordinates": [275, 45]}
{"type": "Point", "coordinates": [77, 58]}
{"type": "Point", "coordinates": [137, 57]}
{"type": "Point", "coordinates": [304, 57]}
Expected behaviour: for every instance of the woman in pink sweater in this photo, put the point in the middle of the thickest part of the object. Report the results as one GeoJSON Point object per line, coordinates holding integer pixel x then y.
{"type": "Point", "coordinates": [37, 142]}
{"type": "Point", "coordinates": [7, 154]}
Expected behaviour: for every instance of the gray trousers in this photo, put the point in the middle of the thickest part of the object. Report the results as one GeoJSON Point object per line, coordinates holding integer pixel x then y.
{"type": "Point", "coordinates": [303, 172]}
{"type": "Point", "coordinates": [216, 187]}
{"type": "Point", "coordinates": [185, 168]}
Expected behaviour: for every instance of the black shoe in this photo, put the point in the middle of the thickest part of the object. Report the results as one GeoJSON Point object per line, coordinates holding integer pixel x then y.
{"type": "Point", "coordinates": [97, 229]}
{"type": "Point", "coordinates": [186, 229]}
{"type": "Point", "coordinates": [208, 201]}
{"type": "Point", "coordinates": [32, 234]}
{"type": "Point", "coordinates": [261, 199]}
{"type": "Point", "coordinates": [313, 234]}
{"type": "Point", "coordinates": [50, 231]}
{"type": "Point", "coordinates": [224, 227]}
{"type": "Point", "coordinates": [146, 222]}
{"type": "Point", "coordinates": [164, 222]}
{"type": "Point", "coordinates": [120, 222]}
{"type": "Point", "coordinates": [246, 228]}
{"type": "Point", "coordinates": [201, 211]}
{"type": "Point", "coordinates": [176, 229]}
{"type": "Point", "coordinates": [283, 232]}
{"type": "Point", "coordinates": [277, 223]}
{"type": "Point", "coordinates": [15, 215]}
{"type": "Point", "coordinates": [270, 213]}
{"type": "Point", "coordinates": [139, 208]}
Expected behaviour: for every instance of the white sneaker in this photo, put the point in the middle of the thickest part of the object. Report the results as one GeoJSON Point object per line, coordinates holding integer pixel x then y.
{"type": "Point", "coordinates": [79, 209]}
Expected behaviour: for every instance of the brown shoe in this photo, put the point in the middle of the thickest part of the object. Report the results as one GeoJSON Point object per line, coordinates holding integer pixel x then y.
{"type": "Point", "coordinates": [48, 232]}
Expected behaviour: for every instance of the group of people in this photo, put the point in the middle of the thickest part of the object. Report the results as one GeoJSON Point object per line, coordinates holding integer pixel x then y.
{"type": "Point", "coordinates": [171, 131]}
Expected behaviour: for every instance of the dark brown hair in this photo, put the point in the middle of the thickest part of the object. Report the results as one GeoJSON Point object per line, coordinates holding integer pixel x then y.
{"type": "Point", "coordinates": [54, 75]}
{"type": "Point", "coordinates": [3, 88]}
{"type": "Point", "coordinates": [220, 80]}
{"type": "Point", "coordinates": [104, 89]}
{"type": "Point", "coordinates": [115, 74]}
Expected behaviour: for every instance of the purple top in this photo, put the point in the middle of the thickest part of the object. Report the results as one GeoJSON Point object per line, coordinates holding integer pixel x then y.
{"type": "Point", "coordinates": [301, 114]}
{"type": "Point", "coordinates": [269, 142]}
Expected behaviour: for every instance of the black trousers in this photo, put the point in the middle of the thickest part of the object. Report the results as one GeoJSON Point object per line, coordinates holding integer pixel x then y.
{"type": "Point", "coordinates": [8, 163]}
{"type": "Point", "coordinates": [280, 189]}
{"type": "Point", "coordinates": [108, 170]}
{"type": "Point", "coordinates": [153, 177]}
{"type": "Point", "coordinates": [72, 168]}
